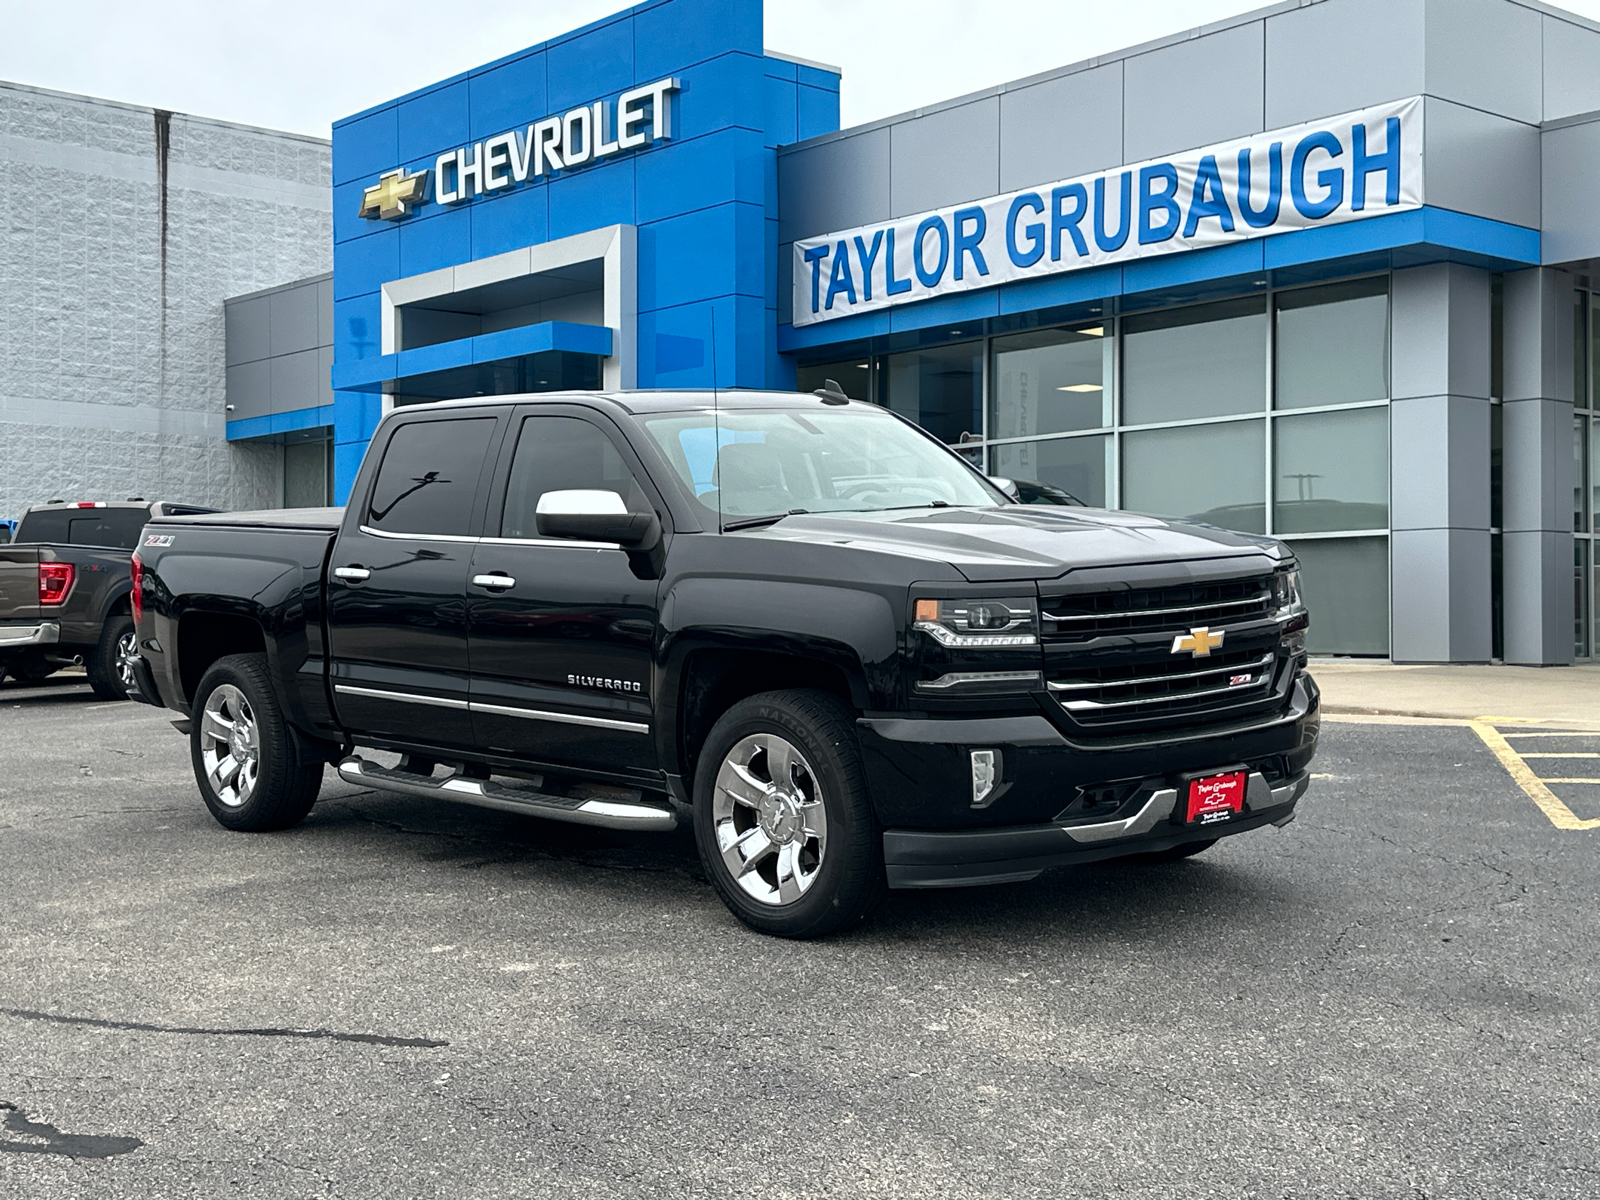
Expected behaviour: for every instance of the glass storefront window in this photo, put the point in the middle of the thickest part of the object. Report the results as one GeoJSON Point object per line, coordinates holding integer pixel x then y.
{"type": "Point", "coordinates": [1078, 466]}
{"type": "Point", "coordinates": [1332, 472]}
{"type": "Point", "coordinates": [1580, 349]}
{"type": "Point", "coordinates": [1051, 381]}
{"type": "Point", "coordinates": [1345, 582]}
{"type": "Point", "coordinates": [1212, 473]}
{"type": "Point", "coordinates": [1204, 361]}
{"type": "Point", "coordinates": [940, 388]}
{"type": "Point", "coordinates": [1580, 598]}
{"type": "Point", "coordinates": [854, 375]}
{"type": "Point", "coordinates": [1580, 472]}
{"type": "Point", "coordinates": [1333, 344]}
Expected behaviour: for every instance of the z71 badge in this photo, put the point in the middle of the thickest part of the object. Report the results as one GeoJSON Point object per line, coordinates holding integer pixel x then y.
{"type": "Point", "coordinates": [159, 539]}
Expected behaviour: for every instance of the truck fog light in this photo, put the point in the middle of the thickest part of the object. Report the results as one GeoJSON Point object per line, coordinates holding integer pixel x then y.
{"type": "Point", "coordinates": [985, 777]}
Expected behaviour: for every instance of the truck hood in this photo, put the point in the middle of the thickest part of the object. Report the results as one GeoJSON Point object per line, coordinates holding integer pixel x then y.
{"type": "Point", "coordinates": [1024, 541]}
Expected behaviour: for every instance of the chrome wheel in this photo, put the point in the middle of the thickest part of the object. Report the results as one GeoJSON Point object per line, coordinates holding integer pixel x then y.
{"type": "Point", "coordinates": [230, 745]}
{"type": "Point", "coordinates": [127, 651]}
{"type": "Point", "coordinates": [770, 822]}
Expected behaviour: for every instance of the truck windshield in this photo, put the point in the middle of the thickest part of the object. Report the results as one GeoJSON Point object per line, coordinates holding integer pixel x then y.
{"type": "Point", "coordinates": [771, 462]}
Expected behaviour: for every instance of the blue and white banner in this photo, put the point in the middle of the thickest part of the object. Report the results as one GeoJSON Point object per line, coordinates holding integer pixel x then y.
{"type": "Point", "coordinates": [1363, 164]}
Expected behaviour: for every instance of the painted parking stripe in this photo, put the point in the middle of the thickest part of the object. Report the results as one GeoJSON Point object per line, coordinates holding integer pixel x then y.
{"type": "Point", "coordinates": [1523, 775]}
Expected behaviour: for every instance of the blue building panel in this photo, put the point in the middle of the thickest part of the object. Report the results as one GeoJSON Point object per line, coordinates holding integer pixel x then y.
{"type": "Point", "coordinates": [590, 64]}
{"type": "Point", "coordinates": [594, 198]}
{"type": "Point", "coordinates": [520, 218]}
{"type": "Point", "coordinates": [365, 264]}
{"type": "Point", "coordinates": [509, 96]}
{"type": "Point", "coordinates": [366, 145]}
{"type": "Point", "coordinates": [356, 333]}
{"type": "Point", "coordinates": [818, 109]}
{"type": "Point", "coordinates": [434, 122]}
{"type": "Point", "coordinates": [688, 176]}
{"type": "Point", "coordinates": [442, 240]}
{"type": "Point", "coordinates": [669, 38]}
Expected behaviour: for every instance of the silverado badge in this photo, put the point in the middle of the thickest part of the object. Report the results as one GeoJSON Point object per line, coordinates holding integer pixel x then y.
{"type": "Point", "coordinates": [1198, 642]}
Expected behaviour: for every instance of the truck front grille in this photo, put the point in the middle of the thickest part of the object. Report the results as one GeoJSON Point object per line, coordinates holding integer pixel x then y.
{"type": "Point", "coordinates": [1110, 660]}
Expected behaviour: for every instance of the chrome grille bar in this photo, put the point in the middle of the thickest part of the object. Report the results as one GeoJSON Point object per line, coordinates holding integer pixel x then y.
{"type": "Point", "coordinates": [1169, 698]}
{"type": "Point", "coordinates": [1078, 685]}
{"type": "Point", "coordinates": [1127, 613]}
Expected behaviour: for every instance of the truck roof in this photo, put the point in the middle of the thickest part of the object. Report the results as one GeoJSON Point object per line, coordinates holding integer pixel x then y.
{"type": "Point", "coordinates": [651, 400]}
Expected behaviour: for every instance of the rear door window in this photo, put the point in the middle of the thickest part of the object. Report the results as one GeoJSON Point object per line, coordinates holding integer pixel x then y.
{"type": "Point", "coordinates": [429, 477]}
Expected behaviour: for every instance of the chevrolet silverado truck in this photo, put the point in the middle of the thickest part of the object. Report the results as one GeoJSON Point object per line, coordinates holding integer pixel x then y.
{"type": "Point", "coordinates": [64, 585]}
{"type": "Point", "coordinates": [797, 623]}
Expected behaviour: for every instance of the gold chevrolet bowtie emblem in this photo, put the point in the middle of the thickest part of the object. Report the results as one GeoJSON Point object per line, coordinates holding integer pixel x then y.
{"type": "Point", "coordinates": [1199, 642]}
{"type": "Point", "coordinates": [393, 194]}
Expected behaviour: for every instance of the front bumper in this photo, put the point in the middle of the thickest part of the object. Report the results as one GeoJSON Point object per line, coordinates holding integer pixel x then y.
{"type": "Point", "coordinates": [965, 858]}
{"type": "Point", "coordinates": [35, 633]}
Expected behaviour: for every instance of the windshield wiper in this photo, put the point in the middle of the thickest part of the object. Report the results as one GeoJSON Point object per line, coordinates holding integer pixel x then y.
{"type": "Point", "coordinates": [758, 522]}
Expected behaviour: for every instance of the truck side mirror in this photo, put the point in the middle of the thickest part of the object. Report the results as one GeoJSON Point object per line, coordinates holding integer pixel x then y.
{"type": "Point", "coordinates": [595, 516]}
{"type": "Point", "coordinates": [1008, 486]}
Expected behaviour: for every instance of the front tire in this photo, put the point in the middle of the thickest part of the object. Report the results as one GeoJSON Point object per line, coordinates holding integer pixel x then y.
{"type": "Point", "coordinates": [782, 817]}
{"type": "Point", "coordinates": [109, 668]}
{"type": "Point", "coordinates": [254, 773]}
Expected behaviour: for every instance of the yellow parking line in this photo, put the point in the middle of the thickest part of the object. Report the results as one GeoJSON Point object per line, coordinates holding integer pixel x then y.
{"type": "Point", "coordinates": [1560, 815]}
{"type": "Point", "coordinates": [1565, 733]}
{"type": "Point", "coordinates": [1572, 779]}
{"type": "Point", "coordinates": [1541, 754]}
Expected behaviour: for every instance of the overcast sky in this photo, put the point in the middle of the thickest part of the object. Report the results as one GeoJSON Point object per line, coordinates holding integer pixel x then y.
{"type": "Point", "coordinates": [301, 64]}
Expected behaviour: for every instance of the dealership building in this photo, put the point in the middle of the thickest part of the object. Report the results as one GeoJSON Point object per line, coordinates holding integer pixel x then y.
{"type": "Point", "coordinates": [1324, 271]}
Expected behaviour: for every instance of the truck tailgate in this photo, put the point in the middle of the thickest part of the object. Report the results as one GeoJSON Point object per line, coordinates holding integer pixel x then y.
{"type": "Point", "coordinates": [19, 583]}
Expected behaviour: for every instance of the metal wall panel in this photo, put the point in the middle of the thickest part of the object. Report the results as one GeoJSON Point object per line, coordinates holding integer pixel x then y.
{"type": "Point", "coordinates": [324, 375]}
{"type": "Point", "coordinates": [249, 390]}
{"type": "Point", "coordinates": [1342, 55]}
{"type": "Point", "coordinates": [1475, 162]}
{"type": "Point", "coordinates": [1570, 172]}
{"type": "Point", "coordinates": [1441, 607]}
{"type": "Point", "coordinates": [294, 319]}
{"type": "Point", "coordinates": [1194, 93]}
{"type": "Point", "coordinates": [1486, 53]}
{"type": "Point", "coordinates": [1571, 69]}
{"type": "Point", "coordinates": [834, 185]}
{"type": "Point", "coordinates": [1061, 127]}
{"type": "Point", "coordinates": [294, 381]}
{"type": "Point", "coordinates": [325, 312]}
{"type": "Point", "coordinates": [945, 157]}
{"type": "Point", "coordinates": [249, 329]}
{"type": "Point", "coordinates": [1440, 319]}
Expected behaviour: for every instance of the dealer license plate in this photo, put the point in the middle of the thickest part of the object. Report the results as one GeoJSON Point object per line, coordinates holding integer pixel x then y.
{"type": "Point", "coordinates": [1216, 798]}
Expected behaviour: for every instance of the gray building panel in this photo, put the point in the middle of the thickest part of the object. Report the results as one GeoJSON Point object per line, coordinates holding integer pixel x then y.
{"type": "Point", "coordinates": [249, 390]}
{"type": "Point", "coordinates": [945, 157]}
{"type": "Point", "coordinates": [294, 381]}
{"type": "Point", "coordinates": [1208, 89]}
{"type": "Point", "coordinates": [1342, 55]}
{"type": "Point", "coordinates": [1571, 69]}
{"type": "Point", "coordinates": [249, 330]}
{"type": "Point", "coordinates": [325, 312]}
{"type": "Point", "coordinates": [1441, 606]}
{"type": "Point", "coordinates": [836, 184]}
{"type": "Point", "coordinates": [294, 319]}
{"type": "Point", "coordinates": [1476, 162]}
{"type": "Point", "coordinates": [1443, 442]}
{"type": "Point", "coordinates": [1537, 569]}
{"type": "Point", "coordinates": [1570, 172]}
{"type": "Point", "coordinates": [324, 375]}
{"type": "Point", "coordinates": [1067, 126]}
{"type": "Point", "coordinates": [1440, 317]}
{"type": "Point", "coordinates": [1485, 53]}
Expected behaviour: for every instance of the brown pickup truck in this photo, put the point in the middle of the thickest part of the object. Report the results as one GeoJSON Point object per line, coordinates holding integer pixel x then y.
{"type": "Point", "coordinates": [64, 584]}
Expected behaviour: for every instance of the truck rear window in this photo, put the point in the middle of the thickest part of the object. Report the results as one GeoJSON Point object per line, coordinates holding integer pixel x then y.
{"type": "Point", "coordinates": [117, 528]}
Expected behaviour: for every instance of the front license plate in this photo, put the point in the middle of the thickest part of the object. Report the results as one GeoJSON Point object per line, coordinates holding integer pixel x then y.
{"type": "Point", "coordinates": [1216, 798]}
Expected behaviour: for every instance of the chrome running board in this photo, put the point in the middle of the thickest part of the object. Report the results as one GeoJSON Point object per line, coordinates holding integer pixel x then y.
{"type": "Point", "coordinates": [510, 797]}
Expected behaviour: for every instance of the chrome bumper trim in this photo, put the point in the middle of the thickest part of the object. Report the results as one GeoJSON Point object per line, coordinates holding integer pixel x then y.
{"type": "Point", "coordinates": [42, 633]}
{"type": "Point", "coordinates": [1157, 808]}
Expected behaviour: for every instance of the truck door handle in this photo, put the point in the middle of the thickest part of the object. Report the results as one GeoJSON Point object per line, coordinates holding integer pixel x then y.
{"type": "Point", "coordinates": [495, 583]}
{"type": "Point", "coordinates": [351, 574]}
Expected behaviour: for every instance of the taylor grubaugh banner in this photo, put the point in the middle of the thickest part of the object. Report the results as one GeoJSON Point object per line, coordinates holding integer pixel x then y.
{"type": "Point", "coordinates": [1346, 168]}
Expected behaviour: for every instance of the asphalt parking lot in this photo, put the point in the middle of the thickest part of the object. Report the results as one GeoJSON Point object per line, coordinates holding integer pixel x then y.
{"type": "Point", "coordinates": [1394, 996]}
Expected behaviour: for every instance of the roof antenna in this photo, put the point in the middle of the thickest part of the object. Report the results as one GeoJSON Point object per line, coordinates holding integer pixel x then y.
{"type": "Point", "coordinates": [831, 392]}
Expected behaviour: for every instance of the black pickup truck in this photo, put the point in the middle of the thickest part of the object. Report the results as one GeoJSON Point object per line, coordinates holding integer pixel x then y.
{"type": "Point", "coordinates": [797, 622]}
{"type": "Point", "coordinates": [64, 584]}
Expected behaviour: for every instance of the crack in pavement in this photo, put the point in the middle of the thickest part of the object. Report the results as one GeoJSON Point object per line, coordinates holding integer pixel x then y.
{"type": "Point", "coordinates": [72, 1145]}
{"type": "Point", "coordinates": [372, 1039]}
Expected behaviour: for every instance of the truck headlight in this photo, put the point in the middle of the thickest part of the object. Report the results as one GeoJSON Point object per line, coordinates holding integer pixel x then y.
{"type": "Point", "coordinates": [978, 624]}
{"type": "Point", "coordinates": [1289, 610]}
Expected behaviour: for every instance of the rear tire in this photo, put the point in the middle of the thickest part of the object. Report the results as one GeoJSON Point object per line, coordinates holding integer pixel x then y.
{"type": "Point", "coordinates": [255, 774]}
{"type": "Point", "coordinates": [782, 817]}
{"type": "Point", "coordinates": [105, 667]}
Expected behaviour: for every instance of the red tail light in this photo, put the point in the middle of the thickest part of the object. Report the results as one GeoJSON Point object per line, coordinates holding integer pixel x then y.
{"type": "Point", "coordinates": [136, 597]}
{"type": "Point", "coordinates": [55, 581]}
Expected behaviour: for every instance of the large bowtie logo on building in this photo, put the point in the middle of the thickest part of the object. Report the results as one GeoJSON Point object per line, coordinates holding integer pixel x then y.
{"type": "Point", "coordinates": [394, 194]}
